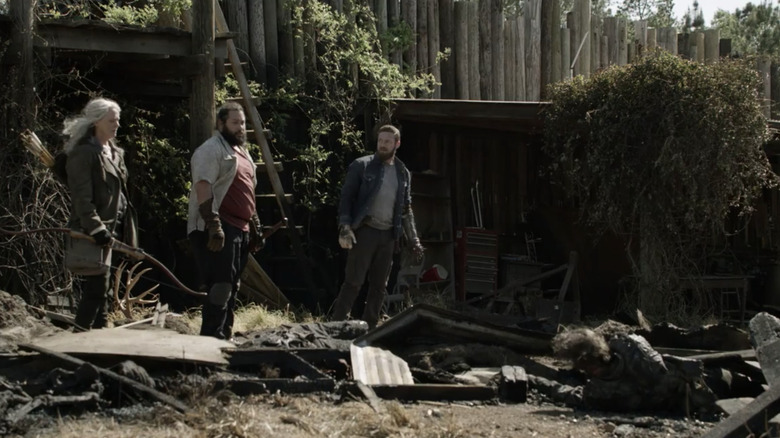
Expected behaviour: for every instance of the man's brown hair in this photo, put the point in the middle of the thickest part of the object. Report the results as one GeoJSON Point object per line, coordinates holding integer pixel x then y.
{"type": "Point", "coordinates": [391, 129]}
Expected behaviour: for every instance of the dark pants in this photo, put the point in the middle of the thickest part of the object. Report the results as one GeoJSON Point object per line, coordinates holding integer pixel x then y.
{"type": "Point", "coordinates": [93, 307]}
{"type": "Point", "coordinates": [220, 270]}
{"type": "Point", "coordinates": [372, 255]}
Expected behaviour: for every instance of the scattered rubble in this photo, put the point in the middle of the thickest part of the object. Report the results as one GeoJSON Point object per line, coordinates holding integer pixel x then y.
{"type": "Point", "coordinates": [423, 353]}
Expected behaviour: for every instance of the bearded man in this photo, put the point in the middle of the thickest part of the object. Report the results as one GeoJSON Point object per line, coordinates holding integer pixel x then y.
{"type": "Point", "coordinates": [375, 212]}
{"type": "Point", "coordinates": [222, 222]}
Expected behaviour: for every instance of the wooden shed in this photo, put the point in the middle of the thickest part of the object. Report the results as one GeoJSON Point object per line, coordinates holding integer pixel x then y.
{"type": "Point", "coordinates": [493, 148]}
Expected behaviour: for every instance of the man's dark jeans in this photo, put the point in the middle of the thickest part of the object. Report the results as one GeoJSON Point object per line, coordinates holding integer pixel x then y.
{"type": "Point", "coordinates": [372, 255]}
{"type": "Point", "coordinates": [220, 267]}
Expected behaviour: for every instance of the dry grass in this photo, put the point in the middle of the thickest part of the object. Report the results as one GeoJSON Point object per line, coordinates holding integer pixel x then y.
{"type": "Point", "coordinates": [267, 416]}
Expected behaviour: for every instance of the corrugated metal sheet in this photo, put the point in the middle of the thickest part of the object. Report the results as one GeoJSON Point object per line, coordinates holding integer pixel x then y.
{"type": "Point", "coordinates": [375, 366]}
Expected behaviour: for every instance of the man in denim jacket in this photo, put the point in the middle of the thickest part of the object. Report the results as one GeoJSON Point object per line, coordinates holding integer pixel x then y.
{"type": "Point", "coordinates": [374, 213]}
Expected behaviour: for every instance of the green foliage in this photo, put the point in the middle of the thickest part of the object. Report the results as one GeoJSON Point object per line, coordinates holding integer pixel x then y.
{"type": "Point", "coordinates": [754, 29]}
{"type": "Point", "coordinates": [352, 72]}
{"type": "Point", "coordinates": [126, 14]}
{"type": "Point", "coordinates": [159, 171]}
{"type": "Point", "coordinates": [663, 148]}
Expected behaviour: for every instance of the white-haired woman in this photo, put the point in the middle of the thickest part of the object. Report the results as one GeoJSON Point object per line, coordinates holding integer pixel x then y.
{"type": "Point", "coordinates": [97, 176]}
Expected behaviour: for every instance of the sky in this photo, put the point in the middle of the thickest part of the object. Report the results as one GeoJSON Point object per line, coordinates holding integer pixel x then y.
{"type": "Point", "coordinates": [709, 7]}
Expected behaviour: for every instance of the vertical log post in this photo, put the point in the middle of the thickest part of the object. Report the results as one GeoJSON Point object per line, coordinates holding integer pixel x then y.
{"type": "Point", "coordinates": [546, 45]}
{"type": "Point", "coordinates": [652, 38]}
{"type": "Point", "coordinates": [409, 14]}
{"type": "Point", "coordinates": [202, 103]}
{"type": "Point", "coordinates": [299, 69]}
{"type": "Point", "coordinates": [574, 43]}
{"type": "Point", "coordinates": [286, 41]}
{"type": "Point", "coordinates": [474, 56]}
{"type": "Point", "coordinates": [22, 13]}
{"type": "Point", "coordinates": [509, 62]}
{"type": "Point", "coordinates": [270, 19]}
{"type": "Point", "coordinates": [764, 67]}
{"type": "Point", "coordinates": [237, 22]}
{"type": "Point", "coordinates": [611, 32]}
{"type": "Point", "coordinates": [711, 45]}
{"type": "Point", "coordinates": [533, 56]}
{"type": "Point", "coordinates": [595, 43]}
{"type": "Point", "coordinates": [422, 36]}
{"type": "Point", "coordinates": [394, 19]}
{"type": "Point", "coordinates": [774, 79]}
{"type": "Point", "coordinates": [565, 53]}
{"type": "Point", "coordinates": [309, 40]}
{"type": "Point", "coordinates": [583, 35]}
{"type": "Point", "coordinates": [699, 38]}
{"type": "Point", "coordinates": [461, 49]}
{"type": "Point", "coordinates": [622, 34]}
{"type": "Point", "coordinates": [497, 43]}
{"type": "Point", "coordinates": [256, 24]}
{"type": "Point", "coordinates": [380, 11]}
{"type": "Point", "coordinates": [433, 44]}
{"type": "Point", "coordinates": [485, 51]}
{"type": "Point", "coordinates": [604, 52]}
{"type": "Point", "coordinates": [555, 42]}
{"type": "Point", "coordinates": [640, 34]}
{"type": "Point", "coordinates": [447, 40]}
{"type": "Point", "coordinates": [520, 58]}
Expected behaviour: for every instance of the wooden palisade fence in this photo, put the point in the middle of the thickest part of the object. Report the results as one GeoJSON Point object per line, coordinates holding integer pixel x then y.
{"type": "Point", "coordinates": [493, 55]}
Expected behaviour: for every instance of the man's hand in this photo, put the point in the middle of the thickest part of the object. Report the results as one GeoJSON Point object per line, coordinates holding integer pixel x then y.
{"type": "Point", "coordinates": [213, 226]}
{"type": "Point", "coordinates": [346, 237]}
{"type": "Point", "coordinates": [102, 237]}
{"type": "Point", "coordinates": [256, 241]}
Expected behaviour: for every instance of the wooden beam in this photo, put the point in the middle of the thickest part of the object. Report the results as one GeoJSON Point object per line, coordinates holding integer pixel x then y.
{"type": "Point", "coordinates": [139, 387]}
{"type": "Point", "coordinates": [106, 39]}
{"type": "Point", "coordinates": [750, 421]}
{"type": "Point", "coordinates": [202, 102]}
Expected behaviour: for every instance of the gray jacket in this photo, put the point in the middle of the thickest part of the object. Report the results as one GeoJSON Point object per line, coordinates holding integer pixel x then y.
{"type": "Point", "coordinates": [361, 185]}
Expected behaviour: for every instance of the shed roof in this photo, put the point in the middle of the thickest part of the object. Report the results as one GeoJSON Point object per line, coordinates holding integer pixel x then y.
{"type": "Point", "coordinates": [486, 114]}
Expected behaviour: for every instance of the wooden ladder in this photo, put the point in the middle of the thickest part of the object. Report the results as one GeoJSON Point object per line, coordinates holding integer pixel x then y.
{"type": "Point", "coordinates": [268, 158]}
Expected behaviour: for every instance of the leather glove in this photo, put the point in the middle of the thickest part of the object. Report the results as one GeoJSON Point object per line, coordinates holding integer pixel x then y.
{"type": "Point", "coordinates": [256, 240]}
{"type": "Point", "coordinates": [213, 226]}
{"type": "Point", "coordinates": [417, 250]}
{"type": "Point", "coordinates": [102, 237]}
{"type": "Point", "coordinates": [346, 237]}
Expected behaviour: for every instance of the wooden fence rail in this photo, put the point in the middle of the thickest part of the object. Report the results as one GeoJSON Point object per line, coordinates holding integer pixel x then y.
{"type": "Point", "coordinates": [493, 55]}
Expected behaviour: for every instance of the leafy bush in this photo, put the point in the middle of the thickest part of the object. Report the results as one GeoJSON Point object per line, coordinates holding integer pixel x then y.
{"type": "Point", "coordinates": [664, 149]}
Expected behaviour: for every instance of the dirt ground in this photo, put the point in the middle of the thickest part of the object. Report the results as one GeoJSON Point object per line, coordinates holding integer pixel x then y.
{"type": "Point", "coordinates": [317, 416]}
{"type": "Point", "coordinates": [223, 414]}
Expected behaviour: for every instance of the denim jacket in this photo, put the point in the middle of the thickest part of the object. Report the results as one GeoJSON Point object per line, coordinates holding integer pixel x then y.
{"type": "Point", "coordinates": [364, 178]}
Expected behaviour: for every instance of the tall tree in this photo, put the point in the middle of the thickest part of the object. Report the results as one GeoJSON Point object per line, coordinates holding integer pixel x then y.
{"type": "Point", "coordinates": [658, 13]}
{"type": "Point", "coordinates": [693, 19]}
{"type": "Point", "coordinates": [754, 29]}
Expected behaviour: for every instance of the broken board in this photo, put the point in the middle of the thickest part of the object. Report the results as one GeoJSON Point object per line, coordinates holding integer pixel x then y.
{"type": "Point", "coordinates": [152, 344]}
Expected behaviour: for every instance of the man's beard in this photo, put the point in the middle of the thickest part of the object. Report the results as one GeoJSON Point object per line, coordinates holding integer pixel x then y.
{"type": "Point", "coordinates": [384, 156]}
{"type": "Point", "coordinates": [233, 139]}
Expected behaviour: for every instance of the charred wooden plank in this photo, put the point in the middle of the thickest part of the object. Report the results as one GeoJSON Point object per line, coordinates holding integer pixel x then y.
{"type": "Point", "coordinates": [752, 419]}
{"type": "Point", "coordinates": [139, 387]}
{"type": "Point", "coordinates": [513, 384]}
{"type": "Point", "coordinates": [435, 392]}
